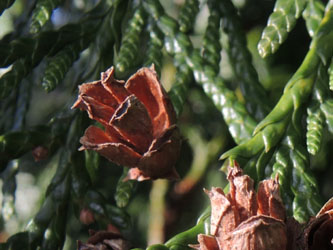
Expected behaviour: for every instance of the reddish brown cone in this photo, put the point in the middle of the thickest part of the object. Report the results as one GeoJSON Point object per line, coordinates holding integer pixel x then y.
{"type": "Point", "coordinates": [139, 121]}
{"type": "Point", "coordinates": [318, 234]}
{"type": "Point", "coordinates": [86, 216]}
{"type": "Point", "coordinates": [40, 153]}
{"type": "Point", "coordinates": [104, 240]}
{"type": "Point", "coordinates": [243, 219]}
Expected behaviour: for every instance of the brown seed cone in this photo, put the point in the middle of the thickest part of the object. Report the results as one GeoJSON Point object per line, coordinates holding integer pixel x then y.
{"type": "Point", "coordinates": [104, 240]}
{"type": "Point", "coordinates": [318, 233]}
{"type": "Point", "coordinates": [244, 219]}
{"type": "Point", "coordinates": [139, 120]}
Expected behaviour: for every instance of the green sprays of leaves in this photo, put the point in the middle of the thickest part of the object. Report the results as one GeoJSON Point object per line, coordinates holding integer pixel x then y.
{"type": "Point", "coordinates": [39, 46]}
{"type": "Point", "coordinates": [154, 53]}
{"type": "Point", "coordinates": [155, 247]}
{"type": "Point", "coordinates": [26, 140]}
{"type": "Point", "coordinates": [22, 66]}
{"type": "Point", "coordinates": [12, 78]}
{"type": "Point", "coordinates": [270, 130]}
{"type": "Point", "coordinates": [295, 93]}
{"type": "Point", "coordinates": [124, 190]}
{"type": "Point", "coordinates": [236, 46]}
{"type": "Point", "coordinates": [307, 200]}
{"type": "Point", "coordinates": [281, 167]}
{"type": "Point", "coordinates": [322, 99]}
{"type": "Point", "coordinates": [131, 41]}
{"type": "Point", "coordinates": [315, 122]}
{"type": "Point", "coordinates": [187, 15]}
{"type": "Point", "coordinates": [92, 164]}
{"type": "Point", "coordinates": [18, 48]}
{"type": "Point", "coordinates": [37, 226]}
{"type": "Point", "coordinates": [298, 186]}
{"type": "Point", "coordinates": [291, 158]}
{"type": "Point", "coordinates": [330, 72]}
{"type": "Point", "coordinates": [42, 13]}
{"type": "Point", "coordinates": [312, 14]}
{"type": "Point", "coordinates": [23, 98]}
{"type": "Point", "coordinates": [179, 89]}
{"type": "Point", "coordinates": [240, 123]}
{"type": "Point", "coordinates": [105, 42]}
{"type": "Point", "coordinates": [119, 8]}
{"type": "Point", "coordinates": [323, 38]}
{"type": "Point", "coordinates": [211, 49]}
{"type": "Point", "coordinates": [223, 98]}
{"type": "Point", "coordinates": [182, 240]}
{"type": "Point", "coordinates": [327, 108]}
{"type": "Point", "coordinates": [315, 119]}
{"type": "Point", "coordinates": [59, 65]}
{"type": "Point", "coordinates": [280, 23]}
{"type": "Point", "coordinates": [177, 48]}
{"type": "Point", "coordinates": [55, 233]}
{"type": "Point", "coordinates": [49, 136]}
{"type": "Point", "coordinates": [9, 189]}
{"type": "Point", "coordinates": [48, 228]}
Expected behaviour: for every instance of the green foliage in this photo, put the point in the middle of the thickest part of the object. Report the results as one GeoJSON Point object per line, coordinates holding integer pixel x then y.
{"type": "Point", "coordinates": [12, 78]}
{"type": "Point", "coordinates": [187, 15]}
{"type": "Point", "coordinates": [38, 46]}
{"type": "Point", "coordinates": [26, 139]}
{"type": "Point", "coordinates": [182, 240]}
{"type": "Point", "coordinates": [330, 72]}
{"type": "Point", "coordinates": [326, 107]}
{"type": "Point", "coordinates": [314, 133]}
{"type": "Point", "coordinates": [217, 94]}
{"type": "Point", "coordinates": [316, 117]}
{"type": "Point", "coordinates": [59, 65]}
{"type": "Point", "coordinates": [280, 23]}
{"type": "Point", "coordinates": [298, 185]}
{"type": "Point", "coordinates": [178, 92]}
{"type": "Point", "coordinates": [312, 14]}
{"type": "Point", "coordinates": [234, 112]}
{"type": "Point", "coordinates": [125, 189]}
{"type": "Point", "coordinates": [130, 42]}
{"type": "Point", "coordinates": [8, 190]}
{"type": "Point", "coordinates": [42, 14]}
{"type": "Point", "coordinates": [211, 40]}
{"type": "Point", "coordinates": [273, 127]}
{"type": "Point", "coordinates": [154, 53]}
{"type": "Point", "coordinates": [241, 61]}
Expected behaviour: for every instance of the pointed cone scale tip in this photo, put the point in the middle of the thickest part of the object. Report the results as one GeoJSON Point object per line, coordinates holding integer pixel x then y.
{"type": "Point", "coordinates": [235, 219]}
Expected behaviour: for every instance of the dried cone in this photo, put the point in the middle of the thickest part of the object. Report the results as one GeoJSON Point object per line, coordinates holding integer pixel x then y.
{"type": "Point", "coordinates": [104, 240]}
{"type": "Point", "coordinates": [86, 216]}
{"type": "Point", "coordinates": [139, 120]}
{"type": "Point", "coordinates": [40, 153]}
{"type": "Point", "coordinates": [318, 233]}
{"type": "Point", "coordinates": [243, 219]}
